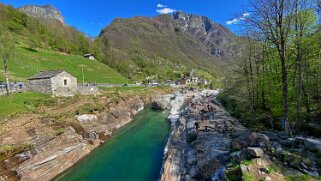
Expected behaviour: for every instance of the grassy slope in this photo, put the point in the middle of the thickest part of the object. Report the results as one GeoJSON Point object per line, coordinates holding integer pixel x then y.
{"type": "Point", "coordinates": [22, 102]}
{"type": "Point", "coordinates": [27, 102]}
{"type": "Point", "coordinates": [28, 62]}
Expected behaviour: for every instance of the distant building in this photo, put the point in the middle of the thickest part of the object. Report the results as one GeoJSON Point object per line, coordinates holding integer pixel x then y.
{"type": "Point", "coordinates": [153, 83]}
{"type": "Point", "coordinates": [90, 56]}
{"type": "Point", "coordinates": [185, 81]}
{"type": "Point", "coordinates": [56, 82]}
{"type": "Point", "coordinates": [203, 82]}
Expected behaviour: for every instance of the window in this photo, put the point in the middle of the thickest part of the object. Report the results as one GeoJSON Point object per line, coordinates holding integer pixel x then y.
{"type": "Point", "coordinates": [65, 81]}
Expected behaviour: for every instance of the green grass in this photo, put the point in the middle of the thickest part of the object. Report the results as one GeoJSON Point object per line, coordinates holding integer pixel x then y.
{"type": "Point", "coordinates": [89, 108]}
{"type": "Point", "coordinates": [28, 62]}
{"type": "Point", "coordinates": [247, 177]}
{"type": "Point", "coordinates": [18, 103]}
{"type": "Point", "coordinates": [302, 177]}
{"type": "Point", "coordinates": [139, 90]}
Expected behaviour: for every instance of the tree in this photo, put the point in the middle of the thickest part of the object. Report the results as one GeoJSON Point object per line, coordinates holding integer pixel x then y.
{"type": "Point", "coordinates": [7, 49]}
{"type": "Point", "coordinates": [304, 19]}
{"type": "Point", "coordinates": [273, 18]}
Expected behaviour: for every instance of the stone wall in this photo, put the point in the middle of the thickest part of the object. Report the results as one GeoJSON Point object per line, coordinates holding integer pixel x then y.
{"type": "Point", "coordinates": [40, 85]}
{"type": "Point", "coordinates": [58, 85]}
{"type": "Point", "coordinates": [87, 90]}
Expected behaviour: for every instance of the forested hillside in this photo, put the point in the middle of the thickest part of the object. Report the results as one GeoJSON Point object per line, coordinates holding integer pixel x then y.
{"type": "Point", "coordinates": [43, 33]}
{"type": "Point", "coordinates": [279, 80]}
{"type": "Point", "coordinates": [33, 44]}
{"type": "Point", "coordinates": [170, 45]}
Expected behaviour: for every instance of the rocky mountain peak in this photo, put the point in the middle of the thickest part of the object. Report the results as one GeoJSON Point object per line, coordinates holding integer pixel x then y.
{"type": "Point", "coordinates": [46, 12]}
{"type": "Point", "coordinates": [214, 36]}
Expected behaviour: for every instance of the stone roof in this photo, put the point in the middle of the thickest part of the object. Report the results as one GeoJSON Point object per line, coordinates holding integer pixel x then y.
{"type": "Point", "coordinates": [88, 55]}
{"type": "Point", "coordinates": [46, 74]}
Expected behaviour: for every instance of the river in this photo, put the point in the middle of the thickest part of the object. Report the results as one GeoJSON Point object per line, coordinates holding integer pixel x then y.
{"type": "Point", "coordinates": [134, 153]}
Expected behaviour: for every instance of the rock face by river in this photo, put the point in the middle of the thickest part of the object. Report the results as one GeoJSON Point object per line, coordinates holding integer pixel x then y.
{"type": "Point", "coordinates": [200, 141]}
{"type": "Point", "coordinates": [205, 138]}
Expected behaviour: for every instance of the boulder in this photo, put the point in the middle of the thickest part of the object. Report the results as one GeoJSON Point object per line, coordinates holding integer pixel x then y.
{"type": "Point", "coordinates": [283, 135]}
{"type": "Point", "coordinates": [86, 118]}
{"type": "Point", "coordinates": [237, 156]}
{"type": "Point", "coordinates": [272, 136]}
{"type": "Point", "coordinates": [312, 144]}
{"type": "Point", "coordinates": [255, 152]}
{"type": "Point", "coordinates": [253, 139]}
{"type": "Point", "coordinates": [161, 104]}
{"type": "Point", "coordinates": [90, 135]}
{"type": "Point", "coordinates": [258, 139]}
{"type": "Point", "coordinates": [191, 157]}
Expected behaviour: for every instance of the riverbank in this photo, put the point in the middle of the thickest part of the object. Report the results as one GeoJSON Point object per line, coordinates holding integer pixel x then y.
{"type": "Point", "coordinates": [54, 139]}
{"type": "Point", "coordinates": [207, 143]}
{"type": "Point", "coordinates": [134, 153]}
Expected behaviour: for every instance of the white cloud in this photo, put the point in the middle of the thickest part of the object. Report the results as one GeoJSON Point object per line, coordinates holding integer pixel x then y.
{"type": "Point", "coordinates": [233, 21]}
{"type": "Point", "coordinates": [165, 10]}
{"type": "Point", "coordinates": [237, 20]}
{"type": "Point", "coordinates": [161, 6]}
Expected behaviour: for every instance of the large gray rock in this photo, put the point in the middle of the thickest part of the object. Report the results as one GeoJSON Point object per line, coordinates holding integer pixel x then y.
{"type": "Point", "coordinates": [282, 135]}
{"type": "Point", "coordinates": [312, 144]}
{"type": "Point", "coordinates": [253, 139]}
{"type": "Point", "coordinates": [161, 104]}
{"type": "Point", "coordinates": [255, 152]}
{"type": "Point", "coordinates": [46, 12]}
{"type": "Point", "coordinates": [272, 136]}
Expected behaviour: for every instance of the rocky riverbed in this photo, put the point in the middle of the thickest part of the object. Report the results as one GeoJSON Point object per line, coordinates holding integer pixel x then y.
{"type": "Point", "coordinates": [207, 143]}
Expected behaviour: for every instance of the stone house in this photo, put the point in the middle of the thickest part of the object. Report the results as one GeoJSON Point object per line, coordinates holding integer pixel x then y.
{"type": "Point", "coordinates": [185, 81]}
{"type": "Point", "coordinates": [56, 82]}
{"type": "Point", "coordinates": [90, 56]}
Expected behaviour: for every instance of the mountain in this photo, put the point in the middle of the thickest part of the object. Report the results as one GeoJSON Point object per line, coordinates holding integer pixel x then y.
{"type": "Point", "coordinates": [179, 41]}
{"type": "Point", "coordinates": [219, 40]}
{"type": "Point", "coordinates": [46, 12]}
{"type": "Point", "coordinates": [43, 26]}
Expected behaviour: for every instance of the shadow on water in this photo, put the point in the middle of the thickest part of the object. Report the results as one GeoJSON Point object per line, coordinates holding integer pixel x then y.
{"type": "Point", "coordinates": [134, 153]}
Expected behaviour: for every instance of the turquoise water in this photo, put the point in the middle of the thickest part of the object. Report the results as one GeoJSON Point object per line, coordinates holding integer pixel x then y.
{"type": "Point", "coordinates": [133, 153]}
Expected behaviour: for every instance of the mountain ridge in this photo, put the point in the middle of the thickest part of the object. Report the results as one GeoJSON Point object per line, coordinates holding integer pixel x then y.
{"type": "Point", "coordinates": [45, 11]}
{"type": "Point", "coordinates": [191, 40]}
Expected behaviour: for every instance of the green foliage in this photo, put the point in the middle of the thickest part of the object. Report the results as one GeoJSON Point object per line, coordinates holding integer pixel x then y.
{"type": "Point", "coordinates": [247, 177]}
{"type": "Point", "coordinates": [255, 94]}
{"type": "Point", "coordinates": [233, 173]}
{"type": "Point", "coordinates": [153, 50]}
{"type": "Point", "coordinates": [301, 177]}
{"type": "Point", "coordinates": [7, 151]}
{"type": "Point", "coordinates": [43, 33]}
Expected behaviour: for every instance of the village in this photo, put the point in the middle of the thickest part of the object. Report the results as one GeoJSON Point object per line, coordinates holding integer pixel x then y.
{"type": "Point", "coordinates": [63, 83]}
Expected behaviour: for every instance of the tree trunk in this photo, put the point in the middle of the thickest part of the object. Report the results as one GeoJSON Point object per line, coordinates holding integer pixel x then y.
{"type": "Point", "coordinates": [5, 62]}
{"type": "Point", "coordinates": [284, 88]}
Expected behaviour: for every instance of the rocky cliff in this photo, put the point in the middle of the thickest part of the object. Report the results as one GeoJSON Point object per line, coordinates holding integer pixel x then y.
{"type": "Point", "coordinates": [45, 12]}
{"type": "Point", "coordinates": [218, 40]}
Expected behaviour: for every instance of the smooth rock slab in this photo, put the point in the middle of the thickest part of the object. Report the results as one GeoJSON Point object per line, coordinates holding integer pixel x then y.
{"type": "Point", "coordinates": [256, 152]}
{"type": "Point", "coordinates": [161, 104]}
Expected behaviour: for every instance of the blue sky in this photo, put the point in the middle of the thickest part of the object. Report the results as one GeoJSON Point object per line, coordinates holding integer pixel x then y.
{"type": "Point", "coordinates": [90, 16]}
